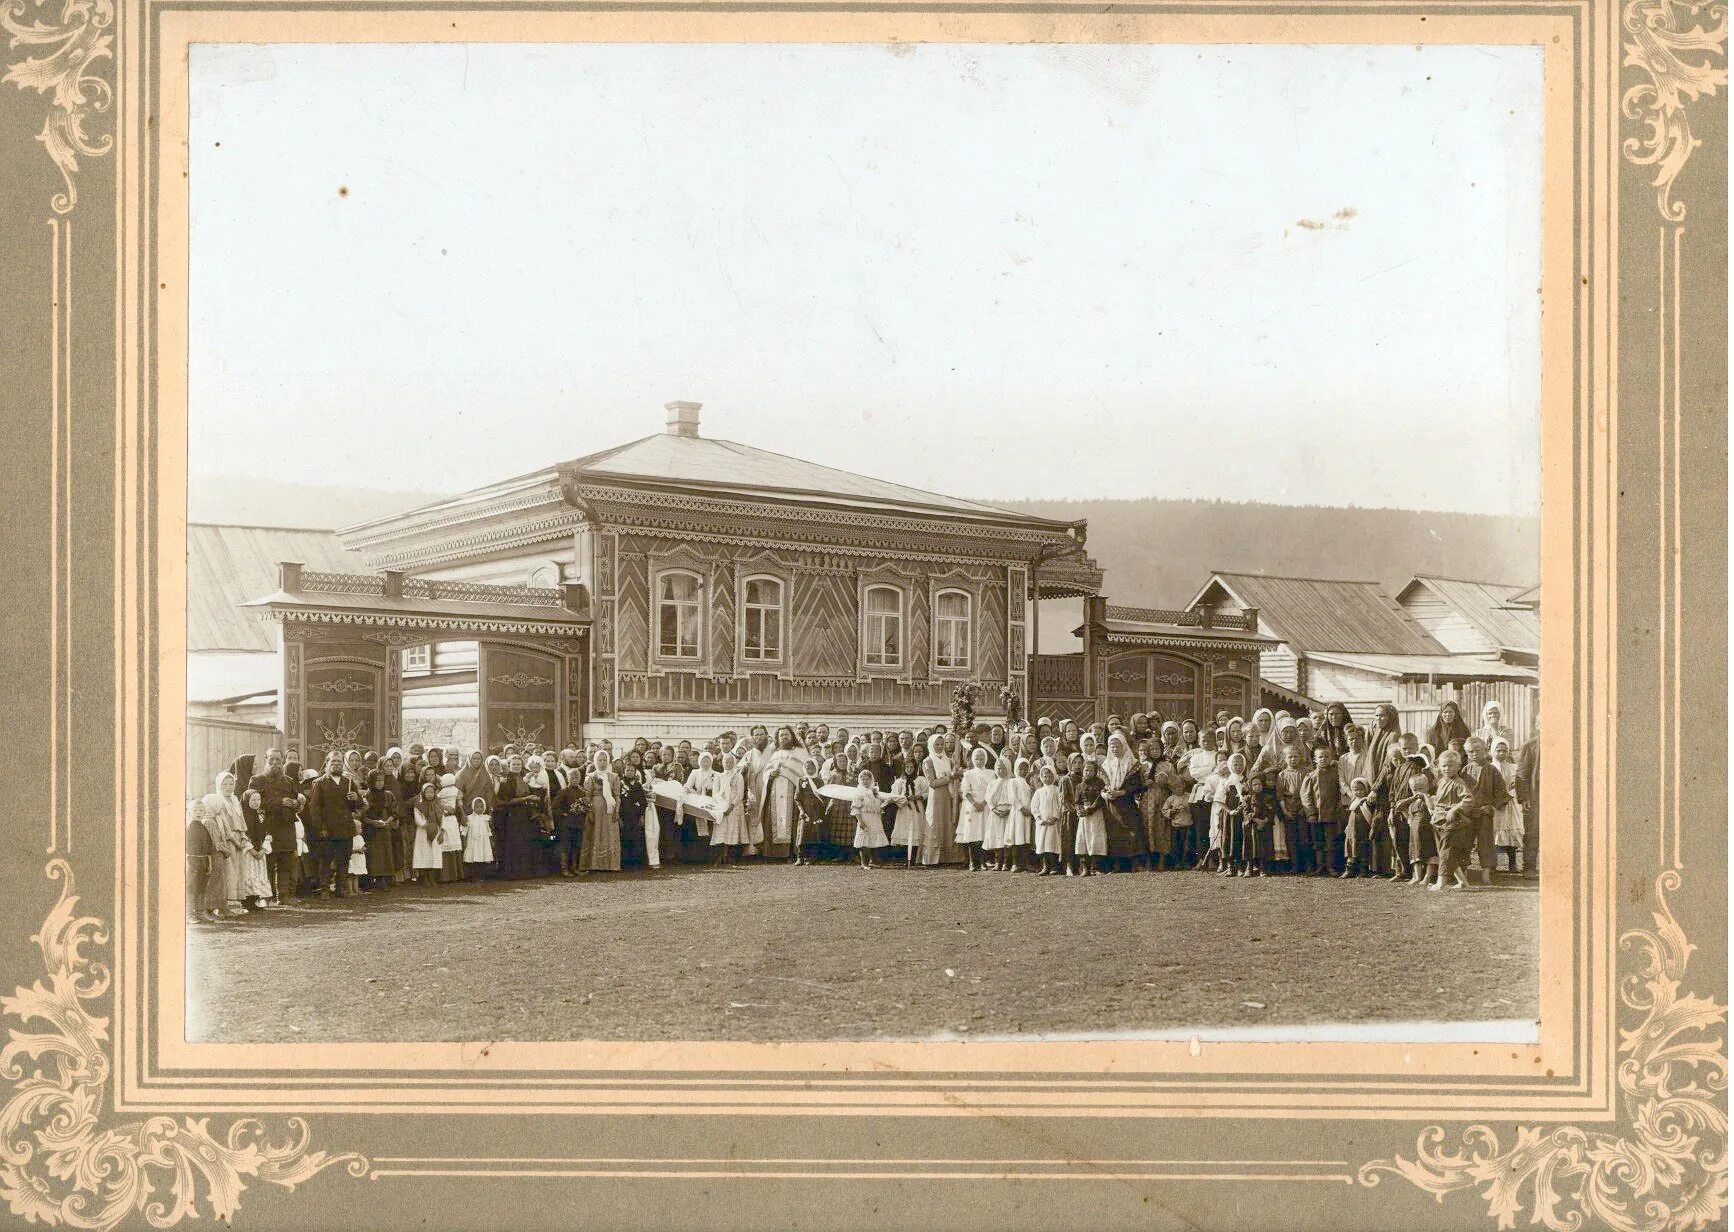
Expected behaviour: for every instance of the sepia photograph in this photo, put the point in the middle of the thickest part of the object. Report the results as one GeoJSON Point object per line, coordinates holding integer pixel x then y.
{"type": "Point", "coordinates": [843, 541]}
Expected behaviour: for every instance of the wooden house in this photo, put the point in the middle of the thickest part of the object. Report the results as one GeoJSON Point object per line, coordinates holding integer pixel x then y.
{"type": "Point", "coordinates": [1492, 619]}
{"type": "Point", "coordinates": [708, 585]}
{"type": "Point", "coordinates": [1350, 642]}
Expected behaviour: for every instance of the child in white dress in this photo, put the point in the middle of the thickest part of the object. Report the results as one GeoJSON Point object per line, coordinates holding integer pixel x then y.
{"type": "Point", "coordinates": [972, 815]}
{"type": "Point", "coordinates": [428, 858]}
{"type": "Point", "coordinates": [1011, 805]}
{"type": "Point", "coordinates": [869, 810]}
{"type": "Point", "coordinates": [1046, 810]}
{"type": "Point", "coordinates": [1508, 817]}
{"type": "Point", "coordinates": [906, 829]}
{"type": "Point", "coordinates": [478, 838]}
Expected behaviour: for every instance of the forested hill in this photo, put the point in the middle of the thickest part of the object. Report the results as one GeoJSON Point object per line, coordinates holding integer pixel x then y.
{"type": "Point", "coordinates": [1157, 553]}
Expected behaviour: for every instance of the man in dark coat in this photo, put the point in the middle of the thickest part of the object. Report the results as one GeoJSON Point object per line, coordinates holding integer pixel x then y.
{"type": "Point", "coordinates": [280, 802]}
{"type": "Point", "coordinates": [331, 807]}
{"type": "Point", "coordinates": [1528, 788]}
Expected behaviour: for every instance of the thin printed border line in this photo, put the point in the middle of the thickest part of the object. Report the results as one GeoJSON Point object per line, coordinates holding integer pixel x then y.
{"type": "Point", "coordinates": [147, 428]}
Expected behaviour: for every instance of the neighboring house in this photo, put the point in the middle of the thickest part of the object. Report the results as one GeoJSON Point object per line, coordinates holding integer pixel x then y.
{"type": "Point", "coordinates": [1350, 642]}
{"type": "Point", "coordinates": [1478, 618]}
{"type": "Point", "coordinates": [232, 668]}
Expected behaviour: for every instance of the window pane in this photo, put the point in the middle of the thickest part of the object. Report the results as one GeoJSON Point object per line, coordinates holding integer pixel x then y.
{"type": "Point", "coordinates": [883, 599]}
{"type": "Point", "coordinates": [667, 625]}
{"type": "Point", "coordinates": [773, 634]}
{"type": "Point", "coordinates": [763, 591]}
{"type": "Point", "coordinates": [951, 603]}
{"type": "Point", "coordinates": [688, 628]}
{"type": "Point", "coordinates": [679, 586]}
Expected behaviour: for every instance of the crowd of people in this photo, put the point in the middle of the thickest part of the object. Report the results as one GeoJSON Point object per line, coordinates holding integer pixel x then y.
{"type": "Point", "coordinates": [1278, 794]}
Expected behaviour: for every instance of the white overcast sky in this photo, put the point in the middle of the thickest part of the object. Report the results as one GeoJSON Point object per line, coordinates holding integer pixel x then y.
{"type": "Point", "coordinates": [1300, 274]}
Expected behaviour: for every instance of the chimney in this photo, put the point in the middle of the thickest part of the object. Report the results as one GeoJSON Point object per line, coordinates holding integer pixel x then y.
{"type": "Point", "coordinates": [683, 418]}
{"type": "Point", "coordinates": [289, 575]}
{"type": "Point", "coordinates": [393, 583]}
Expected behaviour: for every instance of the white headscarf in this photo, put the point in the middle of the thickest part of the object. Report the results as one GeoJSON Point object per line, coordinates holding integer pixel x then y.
{"type": "Point", "coordinates": [601, 767]}
{"type": "Point", "coordinates": [1116, 766]}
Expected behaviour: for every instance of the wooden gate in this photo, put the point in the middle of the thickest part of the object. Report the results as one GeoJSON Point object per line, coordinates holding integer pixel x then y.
{"type": "Point", "coordinates": [1139, 682]}
{"type": "Point", "coordinates": [343, 707]}
{"type": "Point", "coordinates": [519, 696]}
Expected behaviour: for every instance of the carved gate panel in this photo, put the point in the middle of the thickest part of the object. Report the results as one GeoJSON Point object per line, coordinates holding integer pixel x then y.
{"type": "Point", "coordinates": [342, 707]}
{"type": "Point", "coordinates": [520, 696]}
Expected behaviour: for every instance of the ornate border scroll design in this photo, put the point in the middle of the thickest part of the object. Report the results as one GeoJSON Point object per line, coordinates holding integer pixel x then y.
{"type": "Point", "coordinates": [1671, 1172]}
{"type": "Point", "coordinates": [1684, 61]}
{"type": "Point", "coordinates": [76, 38]}
{"type": "Point", "coordinates": [59, 1164]}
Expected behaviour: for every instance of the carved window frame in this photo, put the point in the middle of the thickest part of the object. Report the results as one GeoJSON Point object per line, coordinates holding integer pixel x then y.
{"type": "Point", "coordinates": [891, 579]}
{"type": "Point", "coordinates": [971, 586]}
{"type": "Point", "coordinates": [767, 566]}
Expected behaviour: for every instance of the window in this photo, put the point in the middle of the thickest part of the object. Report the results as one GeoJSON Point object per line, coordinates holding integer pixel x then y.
{"type": "Point", "coordinates": [417, 659]}
{"type": "Point", "coordinates": [951, 632]}
{"type": "Point", "coordinates": [677, 615]}
{"type": "Point", "coordinates": [884, 635]}
{"type": "Point", "coordinates": [762, 620]}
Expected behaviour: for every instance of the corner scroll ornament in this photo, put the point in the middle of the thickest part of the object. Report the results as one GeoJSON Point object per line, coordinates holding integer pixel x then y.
{"type": "Point", "coordinates": [76, 36]}
{"type": "Point", "coordinates": [60, 1165]}
{"type": "Point", "coordinates": [1665, 1170]}
{"type": "Point", "coordinates": [1685, 60]}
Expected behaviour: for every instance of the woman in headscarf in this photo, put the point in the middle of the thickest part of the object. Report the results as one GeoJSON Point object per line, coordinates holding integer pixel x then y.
{"type": "Point", "coordinates": [1122, 784]}
{"type": "Point", "coordinates": [1273, 757]}
{"type": "Point", "coordinates": [545, 850]}
{"type": "Point", "coordinates": [403, 838]}
{"type": "Point", "coordinates": [729, 834]}
{"type": "Point", "coordinates": [1493, 726]}
{"type": "Point", "coordinates": [601, 850]}
{"type": "Point", "coordinates": [1448, 726]}
{"type": "Point", "coordinates": [515, 823]}
{"type": "Point", "coordinates": [939, 824]}
{"type": "Point", "coordinates": [1334, 731]}
{"type": "Point", "coordinates": [695, 827]}
{"type": "Point", "coordinates": [785, 771]}
{"type": "Point", "coordinates": [379, 822]}
{"type": "Point", "coordinates": [474, 780]}
{"type": "Point", "coordinates": [228, 830]}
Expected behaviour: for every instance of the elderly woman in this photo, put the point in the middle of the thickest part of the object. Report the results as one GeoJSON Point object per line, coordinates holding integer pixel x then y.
{"type": "Point", "coordinates": [228, 830]}
{"type": "Point", "coordinates": [1122, 784]}
{"type": "Point", "coordinates": [1493, 726]}
{"type": "Point", "coordinates": [601, 850]}
{"type": "Point", "coordinates": [517, 821]}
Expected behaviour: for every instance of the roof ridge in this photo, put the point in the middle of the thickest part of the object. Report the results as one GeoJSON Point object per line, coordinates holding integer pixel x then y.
{"type": "Point", "coordinates": [1294, 577]}
{"type": "Point", "coordinates": [311, 530]}
{"type": "Point", "coordinates": [1441, 577]}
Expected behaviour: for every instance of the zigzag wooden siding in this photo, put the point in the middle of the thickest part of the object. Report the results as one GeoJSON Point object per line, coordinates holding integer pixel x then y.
{"type": "Point", "coordinates": [991, 636]}
{"type": "Point", "coordinates": [632, 612]}
{"type": "Point", "coordinates": [824, 624]}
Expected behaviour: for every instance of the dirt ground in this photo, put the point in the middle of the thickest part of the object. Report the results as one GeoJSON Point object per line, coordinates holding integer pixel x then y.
{"type": "Point", "coordinates": [835, 952]}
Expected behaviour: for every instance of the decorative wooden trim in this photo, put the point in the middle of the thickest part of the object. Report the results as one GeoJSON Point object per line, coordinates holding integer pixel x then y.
{"type": "Point", "coordinates": [967, 584]}
{"type": "Point", "coordinates": [765, 564]}
{"type": "Point", "coordinates": [904, 584]}
{"type": "Point", "coordinates": [682, 559]}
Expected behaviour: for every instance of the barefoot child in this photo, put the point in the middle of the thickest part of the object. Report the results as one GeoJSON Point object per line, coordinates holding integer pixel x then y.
{"type": "Point", "coordinates": [1358, 833]}
{"type": "Point", "coordinates": [1453, 817]}
{"type": "Point", "coordinates": [869, 810]}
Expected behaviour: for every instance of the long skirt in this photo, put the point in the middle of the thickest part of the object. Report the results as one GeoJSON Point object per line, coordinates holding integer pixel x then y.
{"type": "Point", "coordinates": [255, 876]}
{"type": "Point", "coordinates": [381, 851]}
{"type": "Point", "coordinates": [730, 830]}
{"type": "Point", "coordinates": [1019, 828]}
{"type": "Point", "coordinates": [600, 851]}
{"type": "Point", "coordinates": [516, 851]}
{"type": "Point", "coordinates": [216, 882]}
{"type": "Point", "coordinates": [1258, 840]}
{"type": "Point", "coordinates": [1125, 830]}
{"type": "Point", "coordinates": [233, 878]}
{"type": "Point", "coordinates": [993, 830]}
{"type": "Point", "coordinates": [939, 827]}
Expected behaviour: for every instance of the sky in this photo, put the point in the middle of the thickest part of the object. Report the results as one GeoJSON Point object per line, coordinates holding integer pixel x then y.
{"type": "Point", "coordinates": [1296, 274]}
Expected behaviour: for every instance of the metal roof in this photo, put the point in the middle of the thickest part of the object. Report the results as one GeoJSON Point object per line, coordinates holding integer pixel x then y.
{"type": "Point", "coordinates": [1321, 614]}
{"type": "Point", "coordinates": [228, 565]}
{"type": "Point", "coordinates": [1488, 606]}
{"type": "Point", "coordinates": [705, 462]}
{"type": "Point", "coordinates": [1433, 666]}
